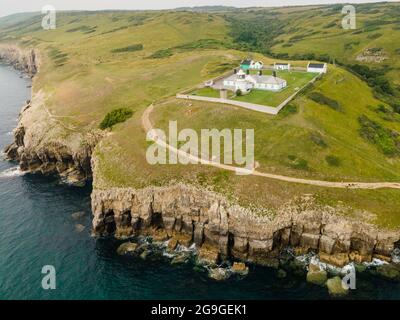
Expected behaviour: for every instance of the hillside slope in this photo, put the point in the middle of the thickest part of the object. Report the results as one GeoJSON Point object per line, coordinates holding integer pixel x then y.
{"type": "Point", "coordinates": [94, 63]}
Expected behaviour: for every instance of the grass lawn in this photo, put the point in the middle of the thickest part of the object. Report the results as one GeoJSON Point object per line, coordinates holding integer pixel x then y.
{"type": "Point", "coordinates": [206, 92]}
{"type": "Point", "coordinates": [295, 81]}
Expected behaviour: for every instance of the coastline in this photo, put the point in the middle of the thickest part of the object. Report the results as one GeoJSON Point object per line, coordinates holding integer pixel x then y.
{"type": "Point", "coordinates": [37, 144]}
{"type": "Point", "coordinates": [234, 232]}
{"type": "Point", "coordinates": [208, 219]}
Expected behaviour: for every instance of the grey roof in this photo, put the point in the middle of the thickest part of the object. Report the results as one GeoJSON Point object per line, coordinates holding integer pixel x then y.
{"type": "Point", "coordinates": [246, 62]}
{"type": "Point", "coordinates": [316, 65]}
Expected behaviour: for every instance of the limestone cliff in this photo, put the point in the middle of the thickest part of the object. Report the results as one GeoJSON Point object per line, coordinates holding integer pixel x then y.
{"type": "Point", "coordinates": [25, 60]}
{"type": "Point", "coordinates": [42, 142]}
{"type": "Point", "coordinates": [235, 231]}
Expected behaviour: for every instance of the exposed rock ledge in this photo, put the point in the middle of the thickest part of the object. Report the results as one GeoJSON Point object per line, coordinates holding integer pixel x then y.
{"type": "Point", "coordinates": [41, 143]}
{"type": "Point", "coordinates": [235, 231]}
{"type": "Point", "coordinates": [25, 60]}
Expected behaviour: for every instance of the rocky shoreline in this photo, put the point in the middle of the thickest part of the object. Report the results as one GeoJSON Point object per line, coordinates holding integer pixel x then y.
{"type": "Point", "coordinates": [187, 215]}
{"type": "Point", "coordinates": [25, 61]}
{"type": "Point", "coordinates": [37, 146]}
{"type": "Point", "coordinates": [234, 232]}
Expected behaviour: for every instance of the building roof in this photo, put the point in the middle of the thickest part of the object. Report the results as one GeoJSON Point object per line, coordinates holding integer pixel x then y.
{"type": "Point", "coordinates": [317, 65]}
{"type": "Point", "coordinates": [281, 64]}
{"type": "Point", "coordinates": [246, 62]}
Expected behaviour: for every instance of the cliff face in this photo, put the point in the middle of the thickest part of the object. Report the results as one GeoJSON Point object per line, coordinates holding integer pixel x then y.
{"type": "Point", "coordinates": [23, 60]}
{"type": "Point", "coordinates": [235, 231]}
{"type": "Point", "coordinates": [42, 143]}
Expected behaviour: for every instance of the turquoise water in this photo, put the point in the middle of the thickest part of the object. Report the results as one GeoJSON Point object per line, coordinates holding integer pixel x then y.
{"type": "Point", "coordinates": [37, 229]}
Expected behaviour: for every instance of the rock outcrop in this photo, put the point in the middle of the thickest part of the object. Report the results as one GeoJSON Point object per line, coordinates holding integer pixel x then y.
{"type": "Point", "coordinates": [25, 60]}
{"type": "Point", "coordinates": [42, 146]}
{"type": "Point", "coordinates": [210, 220]}
{"type": "Point", "coordinates": [42, 143]}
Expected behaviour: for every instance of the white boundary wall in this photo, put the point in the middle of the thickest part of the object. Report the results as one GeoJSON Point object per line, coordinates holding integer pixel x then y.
{"type": "Point", "coordinates": [246, 105]}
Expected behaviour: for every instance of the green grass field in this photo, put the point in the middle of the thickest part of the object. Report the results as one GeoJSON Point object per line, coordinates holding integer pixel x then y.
{"type": "Point", "coordinates": [97, 62]}
{"type": "Point", "coordinates": [206, 92]}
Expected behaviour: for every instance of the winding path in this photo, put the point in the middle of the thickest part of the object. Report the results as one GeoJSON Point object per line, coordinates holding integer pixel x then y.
{"type": "Point", "coordinates": [147, 125]}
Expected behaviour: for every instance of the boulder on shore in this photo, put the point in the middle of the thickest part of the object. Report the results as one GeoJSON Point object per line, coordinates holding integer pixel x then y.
{"type": "Point", "coordinates": [207, 256]}
{"type": "Point", "coordinates": [78, 215]}
{"type": "Point", "coordinates": [219, 274]}
{"type": "Point", "coordinates": [389, 271]}
{"type": "Point", "coordinates": [316, 276]}
{"type": "Point", "coordinates": [79, 228]}
{"type": "Point", "coordinates": [336, 288]}
{"type": "Point", "coordinates": [181, 258]}
{"type": "Point", "coordinates": [240, 268]}
{"type": "Point", "coordinates": [127, 248]}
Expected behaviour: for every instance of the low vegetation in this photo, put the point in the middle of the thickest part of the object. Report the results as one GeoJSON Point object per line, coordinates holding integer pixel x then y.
{"type": "Point", "coordinates": [114, 117]}
{"type": "Point", "coordinates": [84, 29]}
{"type": "Point", "coordinates": [387, 141]}
{"type": "Point", "coordinates": [318, 97]}
{"type": "Point", "coordinates": [85, 81]}
{"type": "Point", "coordinates": [131, 48]}
{"type": "Point", "coordinates": [163, 53]}
{"type": "Point", "coordinates": [332, 160]}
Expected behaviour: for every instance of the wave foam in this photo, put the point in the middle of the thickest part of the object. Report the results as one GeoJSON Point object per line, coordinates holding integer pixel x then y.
{"type": "Point", "coordinates": [12, 172]}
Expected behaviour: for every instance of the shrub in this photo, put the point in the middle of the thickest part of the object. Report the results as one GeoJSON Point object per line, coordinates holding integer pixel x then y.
{"type": "Point", "coordinates": [288, 109]}
{"type": "Point", "coordinates": [132, 48]}
{"type": "Point", "coordinates": [298, 163]}
{"type": "Point", "coordinates": [239, 93]}
{"type": "Point", "coordinates": [115, 116]}
{"type": "Point", "coordinates": [201, 44]}
{"type": "Point", "coordinates": [374, 36]}
{"type": "Point", "coordinates": [321, 99]}
{"type": "Point", "coordinates": [83, 29]}
{"type": "Point", "coordinates": [318, 140]}
{"type": "Point", "coordinates": [333, 160]}
{"type": "Point", "coordinates": [387, 141]}
{"type": "Point", "coordinates": [374, 77]}
{"type": "Point", "coordinates": [164, 53]}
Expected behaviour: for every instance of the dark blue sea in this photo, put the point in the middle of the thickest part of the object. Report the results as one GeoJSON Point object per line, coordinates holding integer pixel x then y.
{"type": "Point", "coordinates": [37, 229]}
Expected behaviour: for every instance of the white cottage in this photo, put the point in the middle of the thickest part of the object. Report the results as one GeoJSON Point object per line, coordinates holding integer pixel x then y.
{"type": "Point", "coordinates": [317, 67]}
{"type": "Point", "coordinates": [246, 82]}
{"type": "Point", "coordinates": [282, 66]}
{"type": "Point", "coordinates": [256, 65]}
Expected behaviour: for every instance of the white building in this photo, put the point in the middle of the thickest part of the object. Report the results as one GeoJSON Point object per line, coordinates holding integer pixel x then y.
{"type": "Point", "coordinates": [256, 65]}
{"type": "Point", "coordinates": [317, 67]}
{"type": "Point", "coordinates": [282, 66]}
{"type": "Point", "coordinates": [246, 82]}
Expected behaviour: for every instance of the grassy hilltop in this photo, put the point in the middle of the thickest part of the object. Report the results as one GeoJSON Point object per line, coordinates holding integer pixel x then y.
{"type": "Point", "coordinates": [344, 128]}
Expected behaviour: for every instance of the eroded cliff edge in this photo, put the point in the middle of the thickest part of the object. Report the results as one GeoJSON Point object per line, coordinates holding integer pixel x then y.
{"type": "Point", "coordinates": [42, 144]}
{"type": "Point", "coordinates": [235, 232]}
